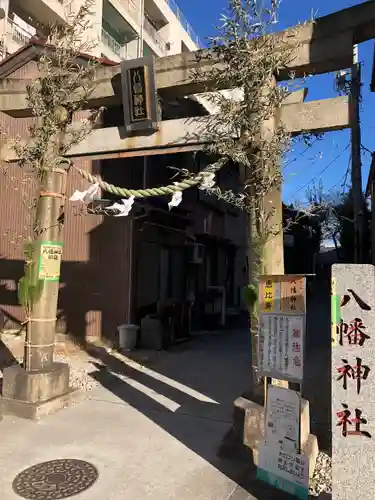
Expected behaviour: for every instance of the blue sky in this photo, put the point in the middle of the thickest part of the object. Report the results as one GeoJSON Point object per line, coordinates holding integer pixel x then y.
{"type": "Point", "coordinates": [306, 164]}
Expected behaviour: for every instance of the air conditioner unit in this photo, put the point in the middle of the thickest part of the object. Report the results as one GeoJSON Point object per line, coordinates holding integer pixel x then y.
{"type": "Point", "coordinates": [196, 253]}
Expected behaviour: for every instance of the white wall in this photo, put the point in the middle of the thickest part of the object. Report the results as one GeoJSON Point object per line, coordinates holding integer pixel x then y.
{"type": "Point", "coordinates": [173, 32]}
{"type": "Point", "coordinates": [46, 11]}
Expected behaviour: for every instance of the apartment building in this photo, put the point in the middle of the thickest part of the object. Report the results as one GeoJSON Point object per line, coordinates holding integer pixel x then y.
{"type": "Point", "coordinates": [125, 29]}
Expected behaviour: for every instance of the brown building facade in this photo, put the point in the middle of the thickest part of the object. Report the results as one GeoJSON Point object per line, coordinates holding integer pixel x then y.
{"type": "Point", "coordinates": [117, 269]}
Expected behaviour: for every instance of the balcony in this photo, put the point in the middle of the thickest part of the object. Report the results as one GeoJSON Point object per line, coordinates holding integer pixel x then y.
{"type": "Point", "coordinates": [187, 27]}
{"type": "Point", "coordinates": [155, 36]}
{"type": "Point", "coordinates": [127, 9]}
{"type": "Point", "coordinates": [132, 9]}
{"type": "Point", "coordinates": [46, 12]}
{"type": "Point", "coordinates": [158, 17]}
{"type": "Point", "coordinates": [17, 36]}
{"type": "Point", "coordinates": [113, 45]}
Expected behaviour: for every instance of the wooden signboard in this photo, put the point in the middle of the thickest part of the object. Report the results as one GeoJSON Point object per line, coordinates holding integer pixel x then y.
{"type": "Point", "coordinates": [139, 94]}
{"type": "Point", "coordinates": [283, 294]}
{"type": "Point", "coordinates": [282, 319]}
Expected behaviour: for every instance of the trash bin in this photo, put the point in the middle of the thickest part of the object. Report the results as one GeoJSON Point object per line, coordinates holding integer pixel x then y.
{"type": "Point", "coordinates": [127, 336]}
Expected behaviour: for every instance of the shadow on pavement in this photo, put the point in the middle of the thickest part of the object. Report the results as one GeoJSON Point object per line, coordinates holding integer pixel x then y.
{"type": "Point", "coordinates": [201, 379]}
{"type": "Point", "coordinates": [197, 430]}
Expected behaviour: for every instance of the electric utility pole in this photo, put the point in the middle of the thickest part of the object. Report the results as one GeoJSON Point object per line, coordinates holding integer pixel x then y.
{"type": "Point", "coordinates": [356, 171]}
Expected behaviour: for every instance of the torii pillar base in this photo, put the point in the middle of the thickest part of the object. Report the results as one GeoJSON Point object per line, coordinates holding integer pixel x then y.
{"type": "Point", "coordinates": [248, 432]}
{"type": "Point", "coordinates": [35, 394]}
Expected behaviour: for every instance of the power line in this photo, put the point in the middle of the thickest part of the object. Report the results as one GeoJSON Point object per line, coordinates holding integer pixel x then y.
{"type": "Point", "coordinates": [302, 153]}
{"type": "Point", "coordinates": [366, 149]}
{"type": "Point", "coordinates": [323, 170]}
{"type": "Point", "coordinates": [344, 178]}
{"type": "Point", "coordinates": [341, 183]}
{"type": "Point", "coordinates": [347, 173]}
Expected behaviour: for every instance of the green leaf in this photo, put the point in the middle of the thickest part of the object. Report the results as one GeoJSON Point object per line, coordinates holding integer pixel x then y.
{"type": "Point", "coordinates": [35, 292]}
{"type": "Point", "coordinates": [29, 294]}
{"type": "Point", "coordinates": [251, 295]}
{"type": "Point", "coordinates": [23, 292]}
{"type": "Point", "coordinates": [28, 250]}
{"type": "Point", "coordinates": [30, 287]}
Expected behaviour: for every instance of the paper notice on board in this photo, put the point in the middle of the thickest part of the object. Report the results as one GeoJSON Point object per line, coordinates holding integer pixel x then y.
{"type": "Point", "coordinates": [50, 261]}
{"type": "Point", "coordinates": [287, 472]}
{"type": "Point", "coordinates": [283, 418]}
{"type": "Point", "coordinates": [281, 346]}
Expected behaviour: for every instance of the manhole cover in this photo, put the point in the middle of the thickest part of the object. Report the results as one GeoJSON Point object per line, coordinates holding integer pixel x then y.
{"type": "Point", "coordinates": [55, 479]}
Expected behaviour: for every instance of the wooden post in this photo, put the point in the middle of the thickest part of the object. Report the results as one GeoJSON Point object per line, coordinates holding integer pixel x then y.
{"type": "Point", "coordinates": [253, 263]}
{"type": "Point", "coordinates": [274, 250]}
{"type": "Point", "coordinates": [273, 255]}
{"type": "Point", "coordinates": [41, 386]}
{"type": "Point", "coordinates": [40, 337]}
{"type": "Point", "coordinates": [273, 263]}
{"type": "Point", "coordinates": [273, 258]}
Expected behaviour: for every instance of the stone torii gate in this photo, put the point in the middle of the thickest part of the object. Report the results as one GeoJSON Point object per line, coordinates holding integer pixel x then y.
{"type": "Point", "coordinates": [324, 46]}
{"type": "Point", "coordinates": [185, 134]}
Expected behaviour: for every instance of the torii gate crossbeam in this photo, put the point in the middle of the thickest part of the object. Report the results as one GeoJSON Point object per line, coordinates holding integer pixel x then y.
{"type": "Point", "coordinates": [322, 47]}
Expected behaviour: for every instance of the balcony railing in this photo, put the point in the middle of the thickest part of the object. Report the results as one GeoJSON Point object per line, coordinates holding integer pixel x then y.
{"type": "Point", "coordinates": [134, 11]}
{"type": "Point", "coordinates": [132, 8]}
{"type": "Point", "coordinates": [18, 34]}
{"type": "Point", "coordinates": [111, 43]}
{"type": "Point", "coordinates": [187, 27]}
{"type": "Point", "coordinates": [152, 31]}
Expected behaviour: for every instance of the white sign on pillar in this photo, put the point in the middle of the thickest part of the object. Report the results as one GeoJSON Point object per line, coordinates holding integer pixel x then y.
{"type": "Point", "coordinates": [285, 471]}
{"type": "Point", "coordinates": [282, 419]}
{"type": "Point", "coordinates": [281, 340]}
{"type": "Point", "coordinates": [282, 319]}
